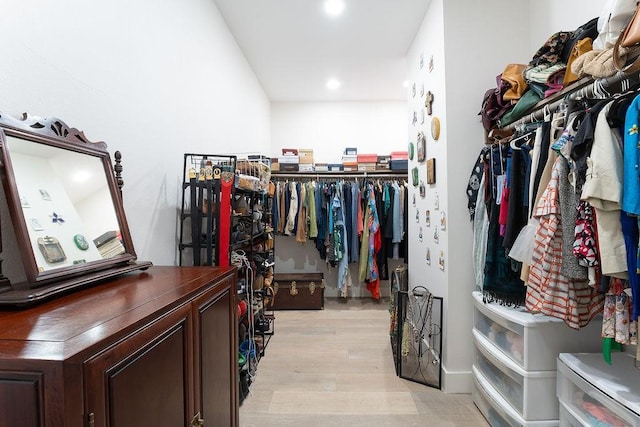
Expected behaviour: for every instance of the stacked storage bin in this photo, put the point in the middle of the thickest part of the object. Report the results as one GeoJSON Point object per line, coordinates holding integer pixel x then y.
{"type": "Point", "coordinates": [592, 392]}
{"type": "Point", "coordinates": [514, 368]}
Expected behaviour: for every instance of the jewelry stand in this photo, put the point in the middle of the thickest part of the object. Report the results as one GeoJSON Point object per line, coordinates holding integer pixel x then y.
{"type": "Point", "coordinates": [420, 339]}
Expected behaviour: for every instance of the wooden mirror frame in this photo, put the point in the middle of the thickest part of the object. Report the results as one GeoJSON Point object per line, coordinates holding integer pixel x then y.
{"type": "Point", "coordinates": [43, 284]}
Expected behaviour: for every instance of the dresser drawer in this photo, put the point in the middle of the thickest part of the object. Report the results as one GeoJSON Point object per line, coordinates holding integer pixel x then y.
{"type": "Point", "coordinates": [533, 341]}
{"type": "Point", "coordinates": [530, 393]}
{"type": "Point", "coordinates": [594, 391]}
{"type": "Point", "coordinates": [495, 409]}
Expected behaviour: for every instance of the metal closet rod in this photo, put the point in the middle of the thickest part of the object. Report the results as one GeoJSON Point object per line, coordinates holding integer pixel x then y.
{"type": "Point", "coordinates": [319, 175]}
{"type": "Point", "coordinates": [585, 88]}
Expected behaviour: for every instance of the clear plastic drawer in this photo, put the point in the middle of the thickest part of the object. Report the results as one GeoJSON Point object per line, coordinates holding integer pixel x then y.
{"type": "Point", "coordinates": [530, 393]}
{"type": "Point", "coordinates": [495, 409]}
{"type": "Point", "coordinates": [596, 393]}
{"type": "Point", "coordinates": [533, 341]}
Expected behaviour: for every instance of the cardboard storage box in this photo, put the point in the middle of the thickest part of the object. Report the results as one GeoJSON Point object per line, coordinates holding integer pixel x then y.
{"type": "Point", "coordinates": [298, 291]}
{"type": "Point", "coordinates": [289, 167]}
{"type": "Point", "coordinates": [366, 167]}
{"type": "Point", "coordinates": [400, 165]}
{"type": "Point", "coordinates": [367, 158]}
{"type": "Point", "coordinates": [305, 155]}
{"type": "Point", "coordinates": [289, 159]}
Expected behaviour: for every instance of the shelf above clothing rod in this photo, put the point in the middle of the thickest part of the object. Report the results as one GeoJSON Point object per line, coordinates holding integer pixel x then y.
{"type": "Point", "coordinates": [585, 88]}
{"type": "Point", "coordinates": [339, 174]}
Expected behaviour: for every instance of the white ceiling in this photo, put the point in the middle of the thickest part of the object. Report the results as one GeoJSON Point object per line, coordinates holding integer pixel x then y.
{"type": "Point", "coordinates": [294, 47]}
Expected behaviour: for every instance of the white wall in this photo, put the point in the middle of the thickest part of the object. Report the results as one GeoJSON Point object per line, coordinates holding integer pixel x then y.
{"type": "Point", "coordinates": [154, 79]}
{"type": "Point", "coordinates": [550, 16]}
{"type": "Point", "coordinates": [329, 127]}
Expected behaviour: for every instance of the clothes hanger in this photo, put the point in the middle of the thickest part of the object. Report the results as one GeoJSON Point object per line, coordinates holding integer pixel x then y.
{"type": "Point", "coordinates": [527, 137]}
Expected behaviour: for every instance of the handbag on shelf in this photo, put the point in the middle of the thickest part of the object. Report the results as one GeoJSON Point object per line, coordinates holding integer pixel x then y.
{"type": "Point", "coordinates": [630, 39]}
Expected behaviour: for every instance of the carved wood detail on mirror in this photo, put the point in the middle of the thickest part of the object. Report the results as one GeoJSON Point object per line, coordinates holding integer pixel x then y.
{"type": "Point", "coordinates": [65, 201]}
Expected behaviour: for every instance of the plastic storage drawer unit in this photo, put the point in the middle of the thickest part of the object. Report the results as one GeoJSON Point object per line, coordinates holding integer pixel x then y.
{"type": "Point", "coordinates": [496, 410]}
{"type": "Point", "coordinates": [596, 393]}
{"type": "Point", "coordinates": [530, 393]}
{"type": "Point", "coordinates": [533, 341]}
{"type": "Point", "coordinates": [568, 418]}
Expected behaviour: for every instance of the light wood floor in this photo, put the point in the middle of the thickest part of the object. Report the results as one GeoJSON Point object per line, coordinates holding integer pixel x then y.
{"type": "Point", "coordinates": [334, 367]}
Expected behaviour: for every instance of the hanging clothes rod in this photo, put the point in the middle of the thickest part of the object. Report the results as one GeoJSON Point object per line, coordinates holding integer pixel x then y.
{"type": "Point", "coordinates": [585, 88]}
{"type": "Point", "coordinates": [355, 174]}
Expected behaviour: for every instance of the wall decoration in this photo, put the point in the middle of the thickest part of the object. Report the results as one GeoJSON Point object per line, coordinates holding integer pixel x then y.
{"type": "Point", "coordinates": [431, 63]}
{"type": "Point", "coordinates": [428, 256]}
{"type": "Point", "coordinates": [56, 218]}
{"type": "Point", "coordinates": [423, 191]}
{"type": "Point", "coordinates": [436, 201]}
{"type": "Point", "coordinates": [431, 171]}
{"type": "Point", "coordinates": [414, 199]}
{"type": "Point", "coordinates": [35, 224]}
{"type": "Point", "coordinates": [81, 242]}
{"type": "Point", "coordinates": [411, 151]}
{"type": "Point", "coordinates": [427, 218]}
{"type": "Point", "coordinates": [441, 261]}
{"type": "Point", "coordinates": [421, 146]}
{"type": "Point", "coordinates": [435, 128]}
{"type": "Point", "coordinates": [443, 221]}
{"type": "Point", "coordinates": [420, 234]}
{"type": "Point", "coordinates": [421, 90]}
{"type": "Point", "coordinates": [24, 202]}
{"type": "Point", "coordinates": [436, 235]}
{"type": "Point", "coordinates": [428, 103]}
{"type": "Point", "coordinates": [413, 90]}
{"type": "Point", "coordinates": [44, 194]}
{"type": "Point", "coordinates": [415, 118]}
{"type": "Point", "coordinates": [421, 60]}
{"type": "Point", "coordinates": [421, 116]}
{"type": "Point", "coordinates": [51, 249]}
{"type": "Point", "coordinates": [414, 176]}
{"type": "Point", "coordinates": [418, 215]}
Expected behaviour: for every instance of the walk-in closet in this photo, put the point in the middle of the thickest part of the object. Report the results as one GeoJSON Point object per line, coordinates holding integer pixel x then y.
{"type": "Point", "coordinates": [245, 213]}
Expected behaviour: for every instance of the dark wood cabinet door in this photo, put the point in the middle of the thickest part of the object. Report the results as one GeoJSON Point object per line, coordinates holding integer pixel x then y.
{"type": "Point", "coordinates": [216, 357]}
{"type": "Point", "coordinates": [21, 394]}
{"type": "Point", "coordinates": [145, 379]}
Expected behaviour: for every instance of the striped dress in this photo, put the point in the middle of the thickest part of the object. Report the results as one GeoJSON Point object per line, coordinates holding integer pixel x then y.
{"type": "Point", "coordinates": [548, 291]}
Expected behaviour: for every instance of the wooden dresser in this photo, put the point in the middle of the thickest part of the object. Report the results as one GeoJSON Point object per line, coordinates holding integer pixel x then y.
{"type": "Point", "coordinates": [154, 348]}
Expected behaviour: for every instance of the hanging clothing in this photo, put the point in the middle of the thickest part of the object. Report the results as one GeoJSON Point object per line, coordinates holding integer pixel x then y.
{"type": "Point", "coordinates": [548, 291]}
{"type": "Point", "coordinates": [603, 190]}
{"type": "Point", "coordinates": [480, 235]}
{"type": "Point", "coordinates": [313, 221]}
{"type": "Point", "coordinates": [501, 274]}
{"type": "Point", "coordinates": [302, 232]}
{"type": "Point", "coordinates": [374, 243]}
{"type": "Point", "coordinates": [292, 211]}
{"type": "Point", "coordinates": [355, 225]}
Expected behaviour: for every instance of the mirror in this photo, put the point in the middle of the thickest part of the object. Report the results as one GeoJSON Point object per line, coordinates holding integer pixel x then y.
{"type": "Point", "coordinates": [65, 204]}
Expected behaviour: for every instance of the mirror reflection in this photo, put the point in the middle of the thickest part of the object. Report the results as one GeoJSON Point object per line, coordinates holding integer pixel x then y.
{"type": "Point", "coordinates": [66, 203]}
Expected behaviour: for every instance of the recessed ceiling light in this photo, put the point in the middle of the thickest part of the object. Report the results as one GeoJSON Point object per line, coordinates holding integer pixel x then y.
{"type": "Point", "coordinates": [333, 84]}
{"type": "Point", "coordinates": [334, 7]}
